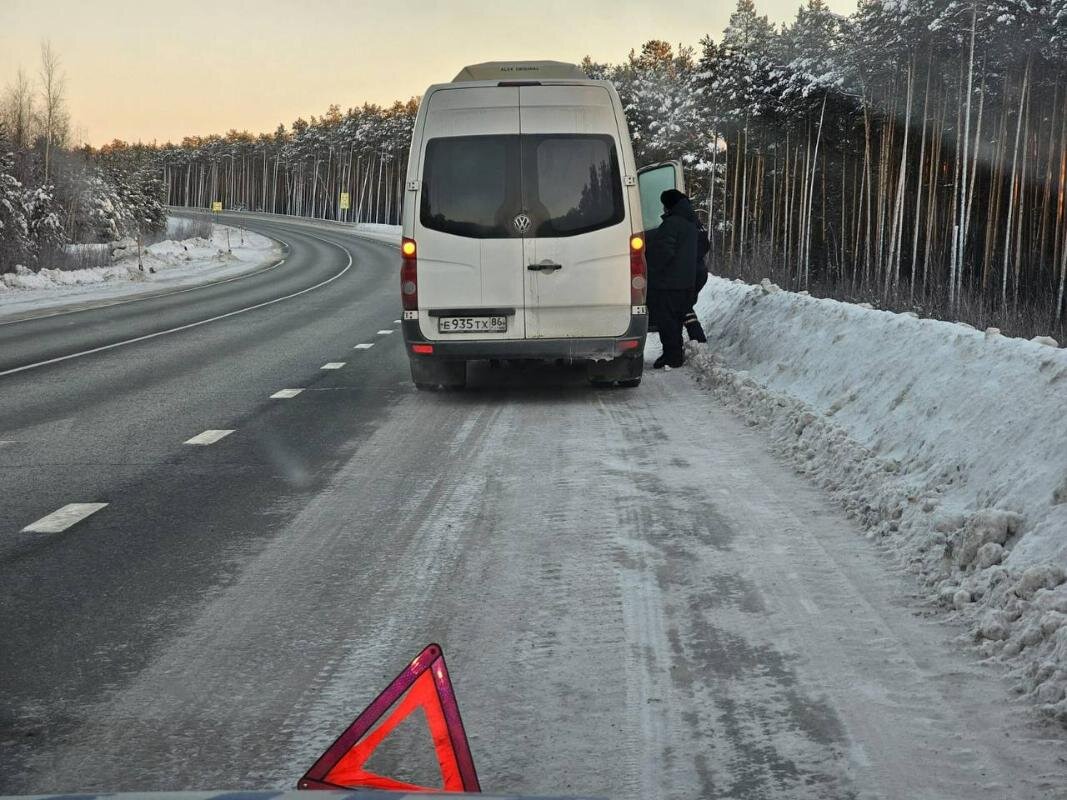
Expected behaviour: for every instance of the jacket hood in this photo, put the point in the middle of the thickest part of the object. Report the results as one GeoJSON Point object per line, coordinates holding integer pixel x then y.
{"type": "Point", "coordinates": [684, 209]}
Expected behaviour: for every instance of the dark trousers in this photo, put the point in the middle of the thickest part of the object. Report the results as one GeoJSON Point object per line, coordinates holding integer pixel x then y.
{"type": "Point", "coordinates": [666, 309]}
{"type": "Point", "coordinates": [691, 321]}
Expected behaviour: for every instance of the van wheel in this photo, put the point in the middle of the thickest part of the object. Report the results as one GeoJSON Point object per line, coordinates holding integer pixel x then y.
{"type": "Point", "coordinates": [429, 373]}
{"type": "Point", "coordinates": [599, 384]}
{"type": "Point", "coordinates": [633, 383]}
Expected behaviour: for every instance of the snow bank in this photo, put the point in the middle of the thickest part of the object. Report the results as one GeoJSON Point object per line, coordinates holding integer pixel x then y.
{"type": "Point", "coordinates": [166, 264]}
{"type": "Point", "coordinates": [382, 233]}
{"type": "Point", "coordinates": [948, 443]}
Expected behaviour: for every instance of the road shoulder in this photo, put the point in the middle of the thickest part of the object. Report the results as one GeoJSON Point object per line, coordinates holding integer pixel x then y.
{"type": "Point", "coordinates": [181, 266]}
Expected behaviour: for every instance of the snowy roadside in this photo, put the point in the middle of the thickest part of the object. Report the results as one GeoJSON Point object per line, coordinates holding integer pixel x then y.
{"type": "Point", "coordinates": [377, 231]}
{"type": "Point", "coordinates": [948, 444]}
{"type": "Point", "coordinates": [168, 264]}
{"type": "Point", "coordinates": [382, 233]}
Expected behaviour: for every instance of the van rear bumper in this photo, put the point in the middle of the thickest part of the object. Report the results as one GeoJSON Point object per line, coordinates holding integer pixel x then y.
{"type": "Point", "coordinates": [597, 348]}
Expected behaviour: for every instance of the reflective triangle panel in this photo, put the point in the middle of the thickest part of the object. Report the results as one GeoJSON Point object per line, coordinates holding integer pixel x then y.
{"type": "Point", "coordinates": [424, 684]}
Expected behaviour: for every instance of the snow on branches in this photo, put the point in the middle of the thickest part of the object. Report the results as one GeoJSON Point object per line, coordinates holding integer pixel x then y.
{"type": "Point", "coordinates": [81, 202]}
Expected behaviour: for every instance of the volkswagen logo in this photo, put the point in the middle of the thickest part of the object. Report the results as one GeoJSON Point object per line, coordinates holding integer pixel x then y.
{"type": "Point", "coordinates": [521, 223]}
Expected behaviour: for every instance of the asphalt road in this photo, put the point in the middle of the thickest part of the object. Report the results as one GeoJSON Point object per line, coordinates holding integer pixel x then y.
{"type": "Point", "coordinates": [634, 597]}
{"type": "Point", "coordinates": [86, 606]}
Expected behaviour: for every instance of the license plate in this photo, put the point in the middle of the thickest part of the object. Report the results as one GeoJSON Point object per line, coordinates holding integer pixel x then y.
{"type": "Point", "coordinates": [472, 324]}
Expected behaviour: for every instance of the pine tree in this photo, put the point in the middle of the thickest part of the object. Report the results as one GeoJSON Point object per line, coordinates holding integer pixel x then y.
{"type": "Point", "coordinates": [663, 105]}
{"type": "Point", "coordinates": [44, 223]}
{"type": "Point", "coordinates": [15, 243]}
{"type": "Point", "coordinates": [912, 153]}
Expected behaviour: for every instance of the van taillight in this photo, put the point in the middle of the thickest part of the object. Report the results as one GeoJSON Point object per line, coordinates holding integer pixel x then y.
{"type": "Point", "coordinates": [409, 275]}
{"type": "Point", "coordinates": [638, 271]}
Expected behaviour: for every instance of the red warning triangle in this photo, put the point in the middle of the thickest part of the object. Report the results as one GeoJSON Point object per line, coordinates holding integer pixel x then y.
{"type": "Point", "coordinates": [424, 684]}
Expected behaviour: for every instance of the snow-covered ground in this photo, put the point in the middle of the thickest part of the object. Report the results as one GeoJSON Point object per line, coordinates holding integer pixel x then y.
{"type": "Point", "coordinates": [634, 598]}
{"type": "Point", "coordinates": [168, 264]}
{"type": "Point", "coordinates": [377, 231]}
{"type": "Point", "coordinates": [947, 443]}
{"type": "Point", "coordinates": [382, 233]}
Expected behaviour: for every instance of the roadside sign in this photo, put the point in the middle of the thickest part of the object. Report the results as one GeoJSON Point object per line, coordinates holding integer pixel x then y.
{"type": "Point", "coordinates": [216, 205]}
{"type": "Point", "coordinates": [344, 201]}
{"type": "Point", "coordinates": [424, 684]}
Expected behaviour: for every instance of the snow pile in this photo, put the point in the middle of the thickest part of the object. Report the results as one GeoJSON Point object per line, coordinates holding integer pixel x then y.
{"type": "Point", "coordinates": [379, 232]}
{"type": "Point", "coordinates": [167, 263]}
{"type": "Point", "coordinates": [948, 443]}
{"type": "Point", "coordinates": [23, 278]}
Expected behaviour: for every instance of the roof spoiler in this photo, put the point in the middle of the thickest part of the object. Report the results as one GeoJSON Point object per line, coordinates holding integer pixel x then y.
{"type": "Point", "coordinates": [525, 71]}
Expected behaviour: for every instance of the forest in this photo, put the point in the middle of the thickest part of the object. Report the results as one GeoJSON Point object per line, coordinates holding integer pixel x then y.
{"type": "Point", "coordinates": [54, 194]}
{"type": "Point", "coordinates": [912, 154]}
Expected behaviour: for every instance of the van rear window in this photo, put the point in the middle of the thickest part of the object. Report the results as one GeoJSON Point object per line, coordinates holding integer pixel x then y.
{"type": "Point", "coordinates": [469, 183]}
{"type": "Point", "coordinates": [475, 186]}
{"type": "Point", "coordinates": [572, 183]}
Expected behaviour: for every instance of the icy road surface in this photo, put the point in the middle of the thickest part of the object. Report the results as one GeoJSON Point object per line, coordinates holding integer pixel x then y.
{"type": "Point", "coordinates": [634, 597]}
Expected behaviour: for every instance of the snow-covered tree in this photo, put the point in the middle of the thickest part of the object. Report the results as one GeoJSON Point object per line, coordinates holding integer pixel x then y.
{"type": "Point", "coordinates": [808, 52]}
{"type": "Point", "coordinates": [746, 63]}
{"type": "Point", "coordinates": [911, 153]}
{"type": "Point", "coordinates": [662, 104]}
{"type": "Point", "coordinates": [15, 243]}
{"type": "Point", "coordinates": [99, 214]}
{"type": "Point", "coordinates": [44, 222]}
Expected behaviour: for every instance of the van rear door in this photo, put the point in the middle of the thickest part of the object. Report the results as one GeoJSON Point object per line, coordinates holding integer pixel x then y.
{"type": "Point", "coordinates": [471, 264]}
{"type": "Point", "coordinates": [577, 247]}
{"type": "Point", "coordinates": [652, 181]}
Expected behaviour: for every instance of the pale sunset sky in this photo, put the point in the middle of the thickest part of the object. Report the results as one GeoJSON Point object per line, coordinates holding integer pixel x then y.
{"type": "Point", "coordinates": [143, 70]}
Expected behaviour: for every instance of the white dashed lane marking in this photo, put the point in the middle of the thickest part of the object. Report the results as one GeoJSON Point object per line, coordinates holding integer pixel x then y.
{"type": "Point", "coordinates": [61, 520]}
{"type": "Point", "coordinates": [333, 365]}
{"type": "Point", "coordinates": [364, 346]}
{"type": "Point", "coordinates": [396, 322]}
{"type": "Point", "coordinates": [285, 394]}
{"type": "Point", "coordinates": [384, 333]}
{"type": "Point", "coordinates": [208, 437]}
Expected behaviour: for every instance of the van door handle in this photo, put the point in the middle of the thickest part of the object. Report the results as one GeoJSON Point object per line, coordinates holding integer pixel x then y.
{"type": "Point", "coordinates": [544, 266]}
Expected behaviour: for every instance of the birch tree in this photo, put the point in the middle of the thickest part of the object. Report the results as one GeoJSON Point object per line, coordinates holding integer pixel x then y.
{"type": "Point", "coordinates": [53, 113]}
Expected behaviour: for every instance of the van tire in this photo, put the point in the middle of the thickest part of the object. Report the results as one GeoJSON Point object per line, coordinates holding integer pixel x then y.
{"type": "Point", "coordinates": [632, 383]}
{"type": "Point", "coordinates": [429, 373]}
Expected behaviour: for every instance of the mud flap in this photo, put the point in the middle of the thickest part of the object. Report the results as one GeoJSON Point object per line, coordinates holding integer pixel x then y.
{"type": "Point", "coordinates": [624, 368]}
{"type": "Point", "coordinates": [429, 373]}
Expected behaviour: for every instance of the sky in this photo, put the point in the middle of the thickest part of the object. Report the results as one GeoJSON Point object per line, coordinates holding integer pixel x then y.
{"type": "Point", "coordinates": [144, 70]}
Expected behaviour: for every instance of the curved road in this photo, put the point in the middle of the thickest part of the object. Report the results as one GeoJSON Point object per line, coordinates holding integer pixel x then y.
{"type": "Point", "coordinates": [635, 598]}
{"type": "Point", "coordinates": [87, 605]}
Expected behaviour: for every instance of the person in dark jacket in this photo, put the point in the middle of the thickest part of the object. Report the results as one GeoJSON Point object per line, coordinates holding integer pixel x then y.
{"type": "Point", "coordinates": [672, 272]}
{"type": "Point", "coordinates": [691, 321]}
